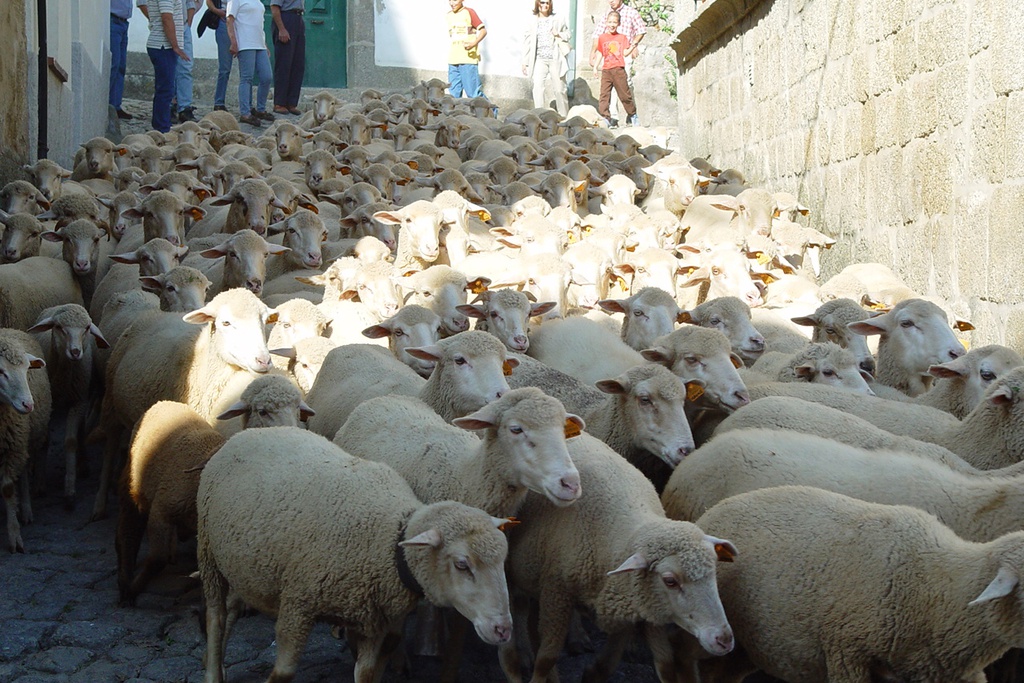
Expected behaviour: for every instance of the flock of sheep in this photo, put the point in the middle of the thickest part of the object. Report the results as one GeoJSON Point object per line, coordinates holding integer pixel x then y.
{"type": "Point", "coordinates": [618, 440]}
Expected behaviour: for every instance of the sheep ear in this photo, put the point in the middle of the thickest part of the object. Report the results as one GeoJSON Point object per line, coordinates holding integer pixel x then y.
{"type": "Point", "coordinates": [806, 321]}
{"type": "Point", "coordinates": [868, 327]}
{"type": "Point", "coordinates": [287, 352]}
{"type": "Point", "coordinates": [101, 341]}
{"type": "Point", "coordinates": [305, 412]}
{"type": "Point", "coordinates": [612, 306]}
{"type": "Point", "coordinates": [619, 385]}
{"type": "Point", "coordinates": [34, 363]}
{"type": "Point", "coordinates": [376, 331]}
{"type": "Point", "coordinates": [237, 409]}
{"type": "Point", "coordinates": [951, 370]}
{"type": "Point", "coordinates": [737, 362]}
{"type": "Point", "coordinates": [963, 325]}
{"type": "Point", "coordinates": [724, 549]}
{"type": "Point", "coordinates": [388, 217]}
{"type": "Point", "coordinates": [432, 352]}
{"type": "Point", "coordinates": [51, 236]}
{"type": "Point", "coordinates": [472, 311]}
{"type": "Point", "coordinates": [542, 308]}
{"type": "Point", "coordinates": [199, 316]}
{"type": "Point", "coordinates": [658, 354]}
{"type": "Point", "coordinates": [481, 419]}
{"type": "Point", "coordinates": [277, 249]}
{"type": "Point", "coordinates": [574, 425]}
{"type": "Point", "coordinates": [633, 563]}
{"type": "Point", "coordinates": [805, 371]}
{"type": "Point", "coordinates": [1004, 584]}
{"type": "Point", "coordinates": [685, 317]}
{"type": "Point", "coordinates": [42, 325]}
{"type": "Point", "coordinates": [1002, 395]}
{"type": "Point", "coordinates": [430, 537]}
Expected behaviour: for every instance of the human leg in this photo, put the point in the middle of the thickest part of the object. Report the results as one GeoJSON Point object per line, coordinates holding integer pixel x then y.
{"type": "Point", "coordinates": [284, 53]}
{"type": "Point", "coordinates": [246, 67]}
{"type": "Point", "coordinates": [558, 85]}
{"type": "Point", "coordinates": [163, 62]}
{"type": "Point", "coordinates": [622, 88]}
{"type": "Point", "coordinates": [118, 59]}
{"type": "Point", "coordinates": [264, 77]}
{"type": "Point", "coordinates": [454, 80]}
{"type": "Point", "coordinates": [223, 64]}
{"type": "Point", "coordinates": [183, 74]}
{"type": "Point", "coordinates": [540, 77]}
{"type": "Point", "coordinates": [297, 27]}
{"type": "Point", "coordinates": [606, 93]}
{"type": "Point", "coordinates": [471, 80]}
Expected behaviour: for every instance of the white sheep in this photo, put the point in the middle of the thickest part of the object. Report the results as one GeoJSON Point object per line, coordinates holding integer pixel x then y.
{"type": "Point", "coordinates": [22, 237]}
{"type": "Point", "coordinates": [944, 611]}
{"type": "Point", "coordinates": [21, 394]}
{"type": "Point", "coordinates": [32, 285]}
{"type": "Point", "coordinates": [297, 319]}
{"type": "Point", "coordinates": [522, 449]}
{"type": "Point", "coordinates": [351, 520]}
{"type": "Point", "coordinates": [506, 314]}
{"type": "Point", "coordinates": [615, 554]}
{"type": "Point", "coordinates": [418, 234]}
{"type": "Point", "coordinates": [582, 348]}
{"type": "Point", "coordinates": [470, 373]}
{"type": "Point", "coordinates": [412, 327]}
{"type": "Point", "coordinates": [237, 260]}
{"type": "Point", "coordinates": [731, 317]}
{"type": "Point", "coordinates": [152, 258]}
{"type": "Point", "coordinates": [69, 340]}
{"type": "Point", "coordinates": [914, 336]}
{"type": "Point", "coordinates": [188, 358]}
{"type": "Point", "coordinates": [443, 289]}
{"type": "Point", "coordinates": [817, 363]}
{"type": "Point", "coordinates": [647, 314]}
{"type": "Point", "coordinates": [830, 322]}
{"type": "Point", "coordinates": [961, 383]}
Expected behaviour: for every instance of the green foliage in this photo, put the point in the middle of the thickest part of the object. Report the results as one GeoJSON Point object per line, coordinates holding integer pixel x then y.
{"type": "Point", "coordinates": [672, 75]}
{"type": "Point", "coordinates": [656, 14]}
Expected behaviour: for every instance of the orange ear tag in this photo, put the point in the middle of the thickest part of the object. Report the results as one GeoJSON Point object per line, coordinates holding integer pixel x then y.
{"type": "Point", "coordinates": [572, 429]}
{"type": "Point", "coordinates": [693, 391]}
{"type": "Point", "coordinates": [477, 287]}
{"type": "Point", "coordinates": [512, 521]}
{"type": "Point", "coordinates": [506, 368]}
{"type": "Point", "coordinates": [621, 282]}
{"type": "Point", "coordinates": [763, 258]}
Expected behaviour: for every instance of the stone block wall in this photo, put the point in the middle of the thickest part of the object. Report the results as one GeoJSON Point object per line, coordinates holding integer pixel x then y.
{"type": "Point", "coordinates": [898, 123]}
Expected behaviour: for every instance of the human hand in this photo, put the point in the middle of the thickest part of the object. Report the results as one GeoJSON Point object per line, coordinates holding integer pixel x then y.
{"type": "Point", "coordinates": [524, 69]}
{"type": "Point", "coordinates": [181, 53]}
{"type": "Point", "coordinates": [283, 36]}
{"type": "Point", "coordinates": [234, 48]}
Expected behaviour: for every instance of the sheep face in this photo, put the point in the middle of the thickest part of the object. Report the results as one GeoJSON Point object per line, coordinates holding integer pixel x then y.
{"type": "Point", "coordinates": [731, 317]}
{"type": "Point", "coordinates": [71, 331]}
{"type": "Point", "coordinates": [80, 244]}
{"type": "Point", "coordinates": [236, 320]}
{"type": "Point", "coordinates": [472, 366]}
{"type": "Point", "coordinates": [180, 289]}
{"type": "Point", "coordinates": [976, 371]}
{"type": "Point", "coordinates": [21, 239]}
{"type": "Point", "coordinates": [648, 314]}
{"type": "Point", "coordinates": [532, 428]}
{"type": "Point", "coordinates": [696, 353]}
{"type": "Point", "coordinates": [14, 366]}
{"type": "Point", "coordinates": [412, 326]}
{"type": "Point", "coordinates": [830, 324]}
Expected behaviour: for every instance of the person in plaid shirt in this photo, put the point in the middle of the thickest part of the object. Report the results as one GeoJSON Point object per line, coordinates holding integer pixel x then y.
{"type": "Point", "coordinates": [633, 27]}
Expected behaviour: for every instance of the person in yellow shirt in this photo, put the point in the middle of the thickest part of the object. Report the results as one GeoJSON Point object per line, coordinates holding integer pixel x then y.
{"type": "Point", "coordinates": [466, 30]}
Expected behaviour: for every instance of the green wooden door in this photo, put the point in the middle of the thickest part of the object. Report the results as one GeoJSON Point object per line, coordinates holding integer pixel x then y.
{"type": "Point", "coordinates": [326, 43]}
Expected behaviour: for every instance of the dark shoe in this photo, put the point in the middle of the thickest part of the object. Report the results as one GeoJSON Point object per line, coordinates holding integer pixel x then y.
{"type": "Point", "coordinates": [280, 110]}
{"type": "Point", "coordinates": [614, 123]}
{"type": "Point", "coordinates": [187, 114]}
{"type": "Point", "coordinates": [294, 110]}
{"type": "Point", "coordinates": [633, 120]}
{"type": "Point", "coordinates": [219, 107]}
{"type": "Point", "coordinates": [264, 115]}
{"type": "Point", "coordinates": [122, 114]}
{"type": "Point", "coordinates": [250, 119]}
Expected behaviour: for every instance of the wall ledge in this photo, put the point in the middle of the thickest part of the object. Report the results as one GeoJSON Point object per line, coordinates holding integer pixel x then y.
{"type": "Point", "coordinates": [714, 18]}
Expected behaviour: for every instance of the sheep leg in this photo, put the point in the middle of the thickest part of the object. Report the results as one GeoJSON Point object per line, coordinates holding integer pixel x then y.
{"type": "Point", "coordinates": [452, 658]}
{"type": "Point", "coordinates": [374, 651]}
{"type": "Point", "coordinates": [26, 498]}
{"type": "Point", "coordinates": [216, 628]}
{"type": "Point", "coordinates": [111, 456]}
{"type": "Point", "coordinates": [601, 669]}
{"type": "Point", "coordinates": [130, 526]}
{"type": "Point", "coordinates": [292, 630]}
{"type": "Point", "coordinates": [731, 668]}
{"type": "Point", "coordinates": [670, 650]}
{"type": "Point", "coordinates": [162, 538]}
{"type": "Point", "coordinates": [508, 653]}
{"type": "Point", "coordinates": [10, 495]}
{"type": "Point", "coordinates": [554, 617]}
{"type": "Point", "coordinates": [72, 435]}
{"type": "Point", "coordinates": [579, 641]}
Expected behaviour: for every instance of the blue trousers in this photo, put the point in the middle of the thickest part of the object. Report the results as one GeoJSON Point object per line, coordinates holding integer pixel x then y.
{"type": "Point", "coordinates": [250, 61]}
{"type": "Point", "coordinates": [118, 59]}
{"type": "Point", "coordinates": [164, 62]}
{"type": "Point", "coordinates": [223, 62]}
{"type": "Point", "coordinates": [289, 60]}
{"type": "Point", "coordinates": [464, 77]}
{"type": "Point", "coordinates": [183, 73]}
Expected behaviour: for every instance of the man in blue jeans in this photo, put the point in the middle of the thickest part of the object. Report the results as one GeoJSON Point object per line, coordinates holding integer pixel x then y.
{"type": "Point", "coordinates": [120, 12]}
{"type": "Point", "coordinates": [166, 35]}
{"type": "Point", "coordinates": [466, 30]}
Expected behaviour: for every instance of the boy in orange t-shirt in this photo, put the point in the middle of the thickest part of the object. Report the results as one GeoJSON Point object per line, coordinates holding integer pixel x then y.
{"type": "Point", "coordinates": [610, 49]}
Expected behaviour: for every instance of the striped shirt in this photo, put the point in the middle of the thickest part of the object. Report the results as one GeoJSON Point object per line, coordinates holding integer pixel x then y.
{"type": "Point", "coordinates": [630, 24]}
{"type": "Point", "coordinates": [157, 39]}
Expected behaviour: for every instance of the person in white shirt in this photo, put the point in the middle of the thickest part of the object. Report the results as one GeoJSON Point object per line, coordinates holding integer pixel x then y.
{"type": "Point", "coordinates": [545, 47]}
{"type": "Point", "coordinates": [245, 28]}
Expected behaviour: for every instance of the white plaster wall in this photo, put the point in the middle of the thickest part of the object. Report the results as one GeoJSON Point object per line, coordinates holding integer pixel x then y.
{"type": "Point", "coordinates": [202, 48]}
{"type": "Point", "coordinates": [413, 33]}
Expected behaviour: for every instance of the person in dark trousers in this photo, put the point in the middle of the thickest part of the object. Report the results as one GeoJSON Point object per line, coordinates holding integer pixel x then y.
{"type": "Point", "coordinates": [120, 12]}
{"type": "Point", "coordinates": [166, 36]}
{"type": "Point", "coordinates": [610, 50]}
{"type": "Point", "coordinates": [289, 36]}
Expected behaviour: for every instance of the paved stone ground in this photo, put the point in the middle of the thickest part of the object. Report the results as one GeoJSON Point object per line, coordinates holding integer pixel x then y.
{"type": "Point", "coordinates": [61, 623]}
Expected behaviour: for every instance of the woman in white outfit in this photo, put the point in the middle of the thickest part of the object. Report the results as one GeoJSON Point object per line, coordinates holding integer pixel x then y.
{"type": "Point", "coordinates": [545, 48]}
{"type": "Point", "coordinates": [248, 43]}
